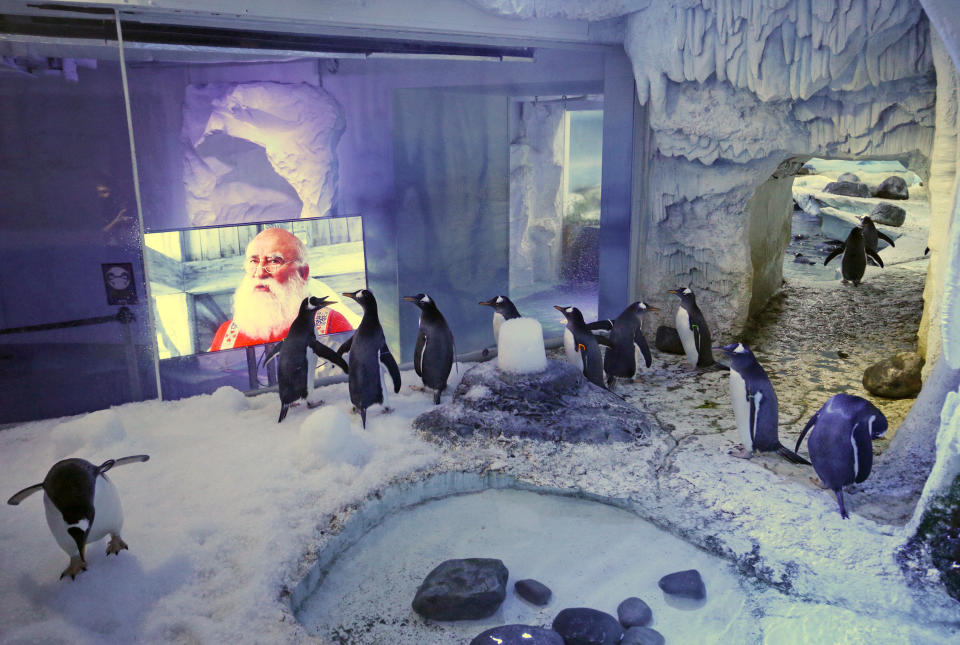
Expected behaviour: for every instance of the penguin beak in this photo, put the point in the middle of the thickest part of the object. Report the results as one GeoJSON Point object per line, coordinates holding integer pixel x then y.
{"type": "Point", "coordinates": [558, 308]}
{"type": "Point", "coordinates": [652, 308]}
{"type": "Point", "coordinates": [412, 299]}
{"type": "Point", "coordinates": [488, 303]}
{"type": "Point", "coordinates": [349, 295]}
{"type": "Point", "coordinates": [675, 292]}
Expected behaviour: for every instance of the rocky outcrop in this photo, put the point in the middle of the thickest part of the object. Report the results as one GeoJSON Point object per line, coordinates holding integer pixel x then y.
{"type": "Point", "coordinates": [848, 188]}
{"type": "Point", "coordinates": [897, 377]}
{"type": "Point", "coordinates": [888, 214]}
{"type": "Point", "coordinates": [892, 188]}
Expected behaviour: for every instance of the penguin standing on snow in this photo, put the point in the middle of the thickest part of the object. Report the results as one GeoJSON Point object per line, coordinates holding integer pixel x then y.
{"type": "Point", "coordinates": [754, 405]}
{"type": "Point", "coordinates": [296, 363]}
{"type": "Point", "coordinates": [627, 344]}
{"type": "Point", "coordinates": [503, 310]}
{"type": "Point", "coordinates": [855, 253]}
{"type": "Point", "coordinates": [82, 506]}
{"type": "Point", "coordinates": [368, 349]}
{"type": "Point", "coordinates": [578, 339]}
{"type": "Point", "coordinates": [872, 236]}
{"type": "Point", "coordinates": [692, 329]}
{"type": "Point", "coordinates": [433, 353]}
{"type": "Point", "coordinates": [840, 447]}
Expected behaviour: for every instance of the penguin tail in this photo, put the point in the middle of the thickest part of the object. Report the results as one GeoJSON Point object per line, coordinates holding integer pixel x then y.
{"type": "Point", "coordinates": [283, 412]}
{"type": "Point", "coordinates": [363, 418]}
{"type": "Point", "coordinates": [790, 455]}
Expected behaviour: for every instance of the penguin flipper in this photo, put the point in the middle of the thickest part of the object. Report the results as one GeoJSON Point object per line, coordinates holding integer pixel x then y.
{"type": "Point", "coordinates": [132, 459]}
{"type": "Point", "coordinates": [834, 253]}
{"type": "Point", "coordinates": [790, 455]}
{"type": "Point", "coordinates": [391, 363]}
{"type": "Point", "coordinates": [876, 256]}
{"type": "Point", "coordinates": [418, 353]}
{"type": "Point", "coordinates": [283, 411]}
{"type": "Point", "coordinates": [600, 325]}
{"type": "Point", "coordinates": [603, 340]}
{"type": "Point", "coordinates": [328, 354]}
{"type": "Point", "coordinates": [806, 428]}
{"type": "Point", "coordinates": [343, 349]}
{"type": "Point", "coordinates": [886, 239]}
{"type": "Point", "coordinates": [272, 353]}
{"type": "Point", "coordinates": [641, 342]}
{"type": "Point", "coordinates": [25, 493]}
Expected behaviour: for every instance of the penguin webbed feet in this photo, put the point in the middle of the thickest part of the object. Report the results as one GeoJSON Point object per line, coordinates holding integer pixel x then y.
{"type": "Point", "coordinates": [116, 545]}
{"type": "Point", "coordinates": [740, 452]}
{"type": "Point", "coordinates": [843, 510]}
{"type": "Point", "coordinates": [76, 566]}
{"type": "Point", "coordinates": [315, 404]}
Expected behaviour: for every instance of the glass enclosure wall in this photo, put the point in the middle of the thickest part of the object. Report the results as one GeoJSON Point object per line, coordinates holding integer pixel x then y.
{"type": "Point", "coordinates": [74, 315]}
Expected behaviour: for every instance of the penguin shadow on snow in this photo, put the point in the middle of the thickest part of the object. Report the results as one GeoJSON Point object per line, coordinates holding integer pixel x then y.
{"type": "Point", "coordinates": [112, 599]}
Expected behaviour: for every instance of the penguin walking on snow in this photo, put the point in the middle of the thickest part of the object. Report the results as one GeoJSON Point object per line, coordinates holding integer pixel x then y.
{"type": "Point", "coordinates": [692, 329]}
{"type": "Point", "coordinates": [82, 506]}
{"type": "Point", "coordinates": [627, 344]}
{"type": "Point", "coordinates": [578, 339]}
{"type": "Point", "coordinates": [855, 253]}
{"type": "Point", "coordinates": [296, 362]}
{"type": "Point", "coordinates": [503, 310]}
{"type": "Point", "coordinates": [840, 447]}
{"type": "Point", "coordinates": [754, 405]}
{"type": "Point", "coordinates": [368, 349]}
{"type": "Point", "coordinates": [433, 353]}
{"type": "Point", "coordinates": [872, 236]}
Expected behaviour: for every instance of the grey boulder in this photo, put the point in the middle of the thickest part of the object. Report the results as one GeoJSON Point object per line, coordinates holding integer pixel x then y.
{"type": "Point", "coordinates": [633, 612]}
{"type": "Point", "coordinates": [892, 187]}
{"type": "Point", "coordinates": [888, 214]}
{"type": "Point", "coordinates": [848, 188]}
{"type": "Point", "coordinates": [684, 584]}
{"type": "Point", "coordinates": [642, 636]}
{"type": "Point", "coordinates": [465, 589]}
{"type": "Point", "coordinates": [897, 377]}
{"type": "Point", "coordinates": [668, 340]}
{"type": "Point", "coordinates": [585, 626]}
{"type": "Point", "coordinates": [533, 591]}
{"type": "Point", "coordinates": [849, 176]}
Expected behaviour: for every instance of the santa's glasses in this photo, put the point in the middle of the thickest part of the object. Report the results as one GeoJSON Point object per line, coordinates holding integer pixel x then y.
{"type": "Point", "coordinates": [269, 263]}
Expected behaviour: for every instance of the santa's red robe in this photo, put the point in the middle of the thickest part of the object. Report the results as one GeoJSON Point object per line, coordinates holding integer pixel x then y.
{"type": "Point", "coordinates": [326, 321]}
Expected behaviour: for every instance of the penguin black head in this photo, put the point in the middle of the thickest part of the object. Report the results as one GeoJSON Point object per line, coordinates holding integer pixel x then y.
{"type": "Point", "coordinates": [503, 306]}
{"type": "Point", "coordinates": [641, 307]}
{"type": "Point", "coordinates": [364, 298]}
{"type": "Point", "coordinates": [312, 303]}
{"type": "Point", "coordinates": [70, 486]}
{"type": "Point", "coordinates": [683, 292]}
{"type": "Point", "coordinates": [422, 300]}
{"type": "Point", "coordinates": [572, 314]}
{"type": "Point", "coordinates": [738, 353]}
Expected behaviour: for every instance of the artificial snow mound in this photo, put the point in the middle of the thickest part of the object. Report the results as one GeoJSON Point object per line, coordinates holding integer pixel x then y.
{"type": "Point", "coordinates": [326, 438]}
{"type": "Point", "coordinates": [520, 347]}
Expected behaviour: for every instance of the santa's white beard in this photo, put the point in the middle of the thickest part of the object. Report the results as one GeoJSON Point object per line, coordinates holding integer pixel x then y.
{"type": "Point", "coordinates": [262, 314]}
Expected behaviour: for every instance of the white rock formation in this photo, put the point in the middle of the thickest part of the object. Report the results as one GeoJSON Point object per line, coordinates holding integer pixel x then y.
{"type": "Point", "coordinates": [536, 199]}
{"type": "Point", "coordinates": [297, 126]}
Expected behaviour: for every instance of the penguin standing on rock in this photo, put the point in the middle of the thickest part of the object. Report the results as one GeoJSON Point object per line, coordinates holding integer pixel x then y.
{"type": "Point", "coordinates": [627, 344]}
{"type": "Point", "coordinates": [503, 310]}
{"type": "Point", "coordinates": [433, 353]}
{"type": "Point", "coordinates": [368, 350]}
{"type": "Point", "coordinates": [578, 339]}
{"type": "Point", "coordinates": [754, 406]}
{"type": "Point", "coordinates": [82, 506]}
{"type": "Point", "coordinates": [855, 253]}
{"type": "Point", "coordinates": [840, 447]}
{"type": "Point", "coordinates": [692, 329]}
{"type": "Point", "coordinates": [296, 362]}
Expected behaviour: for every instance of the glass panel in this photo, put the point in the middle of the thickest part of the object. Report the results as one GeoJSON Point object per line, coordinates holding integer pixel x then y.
{"type": "Point", "coordinates": [73, 308]}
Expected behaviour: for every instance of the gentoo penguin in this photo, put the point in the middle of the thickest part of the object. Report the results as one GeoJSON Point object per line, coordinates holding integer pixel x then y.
{"type": "Point", "coordinates": [855, 255]}
{"type": "Point", "coordinates": [296, 363]}
{"type": "Point", "coordinates": [872, 236]}
{"type": "Point", "coordinates": [692, 329]}
{"type": "Point", "coordinates": [627, 341]}
{"type": "Point", "coordinates": [503, 309]}
{"type": "Point", "coordinates": [82, 506]}
{"type": "Point", "coordinates": [368, 349]}
{"type": "Point", "coordinates": [433, 353]}
{"type": "Point", "coordinates": [578, 339]}
{"type": "Point", "coordinates": [839, 444]}
{"type": "Point", "coordinates": [754, 405]}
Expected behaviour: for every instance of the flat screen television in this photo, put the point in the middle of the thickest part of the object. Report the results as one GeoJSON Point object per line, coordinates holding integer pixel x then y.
{"type": "Point", "coordinates": [195, 274]}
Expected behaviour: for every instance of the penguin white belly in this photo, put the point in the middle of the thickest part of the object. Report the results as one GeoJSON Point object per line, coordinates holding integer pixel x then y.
{"type": "Point", "coordinates": [570, 348]}
{"type": "Point", "coordinates": [686, 336]}
{"type": "Point", "coordinates": [741, 409]}
{"type": "Point", "coordinates": [639, 361]}
{"type": "Point", "coordinates": [311, 371]}
{"type": "Point", "coordinates": [383, 379]}
{"type": "Point", "coordinates": [108, 515]}
{"type": "Point", "coordinates": [497, 322]}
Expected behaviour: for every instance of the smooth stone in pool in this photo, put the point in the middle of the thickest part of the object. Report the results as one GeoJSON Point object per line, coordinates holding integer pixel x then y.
{"type": "Point", "coordinates": [633, 612]}
{"type": "Point", "coordinates": [518, 635]}
{"type": "Point", "coordinates": [465, 589]}
{"type": "Point", "coordinates": [585, 626]}
{"type": "Point", "coordinates": [533, 591]}
{"type": "Point", "coordinates": [685, 584]}
{"type": "Point", "coordinates": [642, 636]}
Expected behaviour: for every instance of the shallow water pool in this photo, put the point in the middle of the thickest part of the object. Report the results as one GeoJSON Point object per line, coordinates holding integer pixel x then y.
{"type": "Point", "coordinates": [590, 554]}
